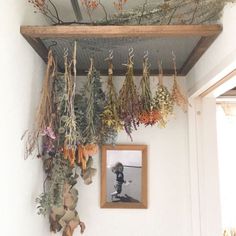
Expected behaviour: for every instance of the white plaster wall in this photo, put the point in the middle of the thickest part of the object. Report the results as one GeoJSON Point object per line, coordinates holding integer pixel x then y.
{"type": "Point", "coordinates": [21, 76]}
{"type": "Point", "coordinates": [219, 59]}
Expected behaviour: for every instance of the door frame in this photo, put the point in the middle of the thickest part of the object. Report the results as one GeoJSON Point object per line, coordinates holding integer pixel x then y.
{"type": "Point", "coordinates": [203, 158]}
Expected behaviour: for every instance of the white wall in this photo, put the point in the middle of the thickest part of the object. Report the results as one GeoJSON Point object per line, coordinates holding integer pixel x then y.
{"type": "Point", "coordinates": [21, 76]}
{"type": "Point", "coordinates": [219, 59]}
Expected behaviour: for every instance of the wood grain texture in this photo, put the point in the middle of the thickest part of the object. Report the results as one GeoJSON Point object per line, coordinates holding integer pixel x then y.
{"type": "Point", "coordinates": [77, 31]}
{"type": "Point", "coordinates": [144, 202]}
{"type": "Point", "coordinates": [208, 33]}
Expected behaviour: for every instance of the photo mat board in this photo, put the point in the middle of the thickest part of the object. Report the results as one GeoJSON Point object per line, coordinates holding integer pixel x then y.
{"type": "Point", "coordinates": [124, 176]}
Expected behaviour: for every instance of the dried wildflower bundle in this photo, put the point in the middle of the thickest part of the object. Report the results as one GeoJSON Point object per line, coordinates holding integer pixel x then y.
{"type": "Point", "coordinates": [163, 101]}
{"type": "Point", "coordinates": [129, 101]}
{"type": "Point", "coordinates": [111, 122]}
{"type": "Point", "coordinates": [178, 97]}
{"type": "Point", "coordinates": [45, 116]}
{"type": "Point", "coordinates": [148, 115]}
{"type": "Point", "coordinates": [67, 116]}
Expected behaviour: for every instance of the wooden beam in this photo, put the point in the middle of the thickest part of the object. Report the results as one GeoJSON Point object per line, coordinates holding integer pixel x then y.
{"type": "Point", "coordinates": [201, 47]}
{"type": "Point", "coordinates": [81, 31]}
{"type": "Point", "coordinates": [137, 72]}
{"type": "Point", "coordinates": [218, 84]}
{"type": "Point", "coordinates": [38, 46]}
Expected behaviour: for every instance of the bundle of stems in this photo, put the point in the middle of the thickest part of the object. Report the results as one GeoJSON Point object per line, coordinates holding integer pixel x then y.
{"type": "Point", "coordinates": [163, 101]}
{"type": "Point", "coordinates": [129, 108]}
{"type": "Point", "coordinates": [178, 97]}
{"type": "Point", "coordinates": [45, 112]}
{"type": "Point", "coordinates": [111, 122]}
{"type": "Point", "coordinates": [148, 115]}
{"type": "Point", "coordinates": [71, 133]}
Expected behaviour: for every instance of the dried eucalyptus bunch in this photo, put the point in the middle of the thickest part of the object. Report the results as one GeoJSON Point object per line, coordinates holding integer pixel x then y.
{"type": "Point", "coordinates": [163, 101]}
{"type": "Point", "coordinates": [129, 108]}
{"type": "Point", "coordinates": [148, 115]}
{"type": "Point", "coordinates": [178, 97]}
{"type": "Point", "coordinates": [111, 123]}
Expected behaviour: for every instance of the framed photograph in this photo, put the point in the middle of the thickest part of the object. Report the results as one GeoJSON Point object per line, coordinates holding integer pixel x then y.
{"type": "Point", "coordinates": [124, 176]}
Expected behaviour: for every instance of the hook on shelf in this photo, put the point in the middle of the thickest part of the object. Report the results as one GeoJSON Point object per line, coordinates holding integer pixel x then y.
{"type": "Point", "coordinates": [53, 44]}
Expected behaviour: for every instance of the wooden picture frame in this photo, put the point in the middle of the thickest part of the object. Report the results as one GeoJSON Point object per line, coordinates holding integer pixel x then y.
{"type": "Point", "coordinates": [124, 176]}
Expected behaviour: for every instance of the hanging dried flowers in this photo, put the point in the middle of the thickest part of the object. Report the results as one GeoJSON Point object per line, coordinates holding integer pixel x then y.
{"type": "Point", "coordinates": [178, 97]}
{"type": "Point", "coordinates": [45, 117]}
{"type": "Point", "coordinates": [89, 107]}
{"type": "Point", "coordinates": [111, 123]}
{"type": "Point", "coordinates": [148, 115]}
{"type": "Point", "coordinates": [163, 101]}
{"type": "Point", "coordinates": [129, 109]}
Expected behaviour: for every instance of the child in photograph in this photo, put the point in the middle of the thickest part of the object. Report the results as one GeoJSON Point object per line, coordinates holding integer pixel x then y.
{"type": "Point", "coordinates": [118, 170]}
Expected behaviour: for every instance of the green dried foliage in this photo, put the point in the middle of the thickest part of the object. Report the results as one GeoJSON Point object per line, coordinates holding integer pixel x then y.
{"type": "Point", "coordinates": [58, 173]}
{"type": "Point", "coordinates": [111, 123]}
{"type": "Point", "coordinates": [89, 105]}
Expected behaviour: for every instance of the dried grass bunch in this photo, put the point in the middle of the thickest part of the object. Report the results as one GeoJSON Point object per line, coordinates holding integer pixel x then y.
{"type": "Point", "coordinates": [178, 97]}
{"type": "Point", "coordinates": [129, 107]}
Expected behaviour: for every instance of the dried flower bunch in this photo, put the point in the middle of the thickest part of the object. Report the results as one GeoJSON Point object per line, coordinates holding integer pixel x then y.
{"type": "Point", "coordinates": [177, 95]}
{"type": "Point", "coordinates": [129, 108]}
{"type": "Point", "coordinates": [163, 101]}
{"type": "Point", "coordinates": [111, 123]}
{"type": "Point", "coordinates": [148, 115]}
{"type": "Point", "coordinates": [148, 12]}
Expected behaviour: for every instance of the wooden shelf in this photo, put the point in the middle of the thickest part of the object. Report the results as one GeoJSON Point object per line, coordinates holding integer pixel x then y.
{"type": "Point", "coordinates": [203, 35]}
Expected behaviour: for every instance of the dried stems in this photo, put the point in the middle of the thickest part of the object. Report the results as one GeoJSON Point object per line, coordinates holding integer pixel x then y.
{"type": "Point", "coordinates": [111, 122]}
{"type": "Point", "coordinates": [163, 101]}
{"type": "Point", "coordinates": [45, 113]}
{"type": "Point", "coordinates": [178, 97]}
{"type": "Point", "coordinates": [129, 100]}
